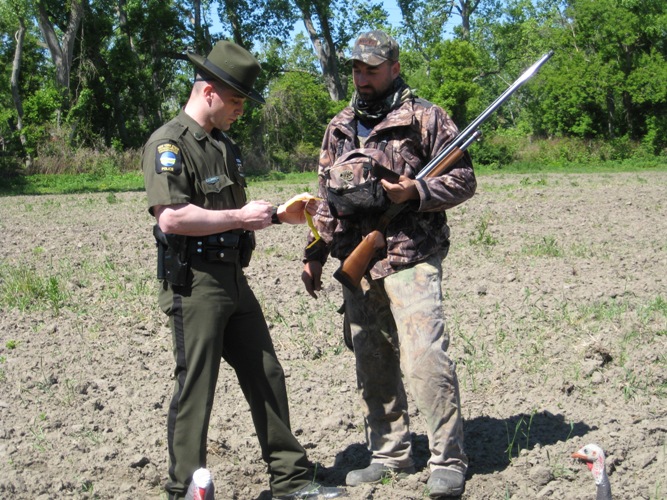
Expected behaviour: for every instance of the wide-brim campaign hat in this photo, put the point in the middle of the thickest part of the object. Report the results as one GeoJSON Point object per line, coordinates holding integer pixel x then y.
{"type": "Point", "coordinates": [233, 65]}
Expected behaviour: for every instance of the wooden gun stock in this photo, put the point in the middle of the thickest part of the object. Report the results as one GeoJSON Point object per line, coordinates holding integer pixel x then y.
{"type": "Point", "coordinates": [353, 268]}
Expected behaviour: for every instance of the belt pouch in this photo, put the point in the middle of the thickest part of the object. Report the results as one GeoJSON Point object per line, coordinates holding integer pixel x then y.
{"type": "Point", "coordinates": [221, 255]}
{"type": "Point", "coordinates": [227, 240]}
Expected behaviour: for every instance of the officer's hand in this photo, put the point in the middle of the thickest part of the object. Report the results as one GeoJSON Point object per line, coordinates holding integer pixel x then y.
{"type": "Point", "coordinates": [312, 277]}
{"type": "Point", "coordinates": [256, 215]}
{"type": "Point", "coordinates": [405, 189]}
{"type": "Point", "coordinates": [293, 211]}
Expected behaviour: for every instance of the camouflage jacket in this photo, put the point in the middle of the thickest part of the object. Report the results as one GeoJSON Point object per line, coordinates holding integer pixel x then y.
{"type": "Point", "coordinates": [415, 132]}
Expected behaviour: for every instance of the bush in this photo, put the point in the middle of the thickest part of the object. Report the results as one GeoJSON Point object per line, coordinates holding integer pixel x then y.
{"type": "Point", "coordinates": [494, 152]}
{"type": "Point", "coordinates": [503, 150]}
{"type": "Point", "coordinates": [10, 166]}
{"type": "Point", "coordinates": [57, 156]}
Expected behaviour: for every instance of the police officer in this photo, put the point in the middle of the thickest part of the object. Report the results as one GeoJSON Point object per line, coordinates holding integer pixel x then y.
{"type": "Point", "coordinates": [396, 318]}
{"type": "Point", "coordinates": [196, 191]}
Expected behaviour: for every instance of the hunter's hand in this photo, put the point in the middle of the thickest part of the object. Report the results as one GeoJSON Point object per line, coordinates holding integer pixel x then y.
{"type": "Point", "coordinates": [312, 277]}
{"type": "Point", "coordinates": [405, 189]}
{"type": "Point", "coordinates": [293, 211]}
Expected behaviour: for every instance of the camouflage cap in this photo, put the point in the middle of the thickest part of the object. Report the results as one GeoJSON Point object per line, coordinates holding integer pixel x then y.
{"type": "Point", "coordinates": [374, 48]}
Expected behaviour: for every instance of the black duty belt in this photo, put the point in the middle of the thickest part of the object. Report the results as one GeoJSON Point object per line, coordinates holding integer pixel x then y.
{"type": "Point", "coordinates": [222, 247]}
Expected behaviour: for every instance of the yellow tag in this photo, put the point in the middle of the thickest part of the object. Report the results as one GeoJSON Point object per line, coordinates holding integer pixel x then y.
{"type": "Point", "coordinates": [301, 197]}
{"type": "Point", "coordinates": [311, 225]}
{"type": "Point", "coordinates": [309, 219]}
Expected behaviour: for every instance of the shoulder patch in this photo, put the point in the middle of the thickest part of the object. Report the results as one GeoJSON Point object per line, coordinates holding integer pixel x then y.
{"type": "Point", "coordinates": [168, 159]}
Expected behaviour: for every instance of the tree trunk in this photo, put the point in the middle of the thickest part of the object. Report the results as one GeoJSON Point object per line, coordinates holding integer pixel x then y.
{"type": "Point", "coordinates": [202, 36]}
{"type": "Point", "coordinates": [231, 11]}
{"type": "Point", "coordinates": [466, 8]}
{"type": "Point", "coordinates": [16, 72]}
{"type": "Point", "coordinates": [61, 54]}
{"type": "Point", "coordinates": [324, 48]}
{"type": "Point", "coordinates": [122, 21]}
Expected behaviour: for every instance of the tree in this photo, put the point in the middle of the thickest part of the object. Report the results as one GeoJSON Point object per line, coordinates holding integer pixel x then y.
{"type": "Point", "coordinates": [424, 23]}
{"type": "Point", "coordinates": [117, 69]}
{"type": "Point", "coordinates": [250, 21]}
{"type": "Point", "coordinates": [509, 37]}
{"type": "Point", "coordinates": [293, 120]}
{"type": "Point", "coordinates": [613, 76]}
{"type": "Point", "coordinates": [26, 74]}
{"type": "Point", "coordinates": [331, 26]}
{"type": "Point", "coordinates": [448, 80]}
{"type": "Point", "coordinates": [49, 16]}
{"type": "Point", "coordinates": [17, 11]}
{"type": "Point", "coordinates": [465, 9]}
{"type": "Point", "coordinates": [322, 40]}
{"type": "Point", "coordinates": [202, 36]}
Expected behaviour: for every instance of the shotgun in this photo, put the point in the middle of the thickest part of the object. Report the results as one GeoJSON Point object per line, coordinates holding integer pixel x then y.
{"type": "Point", "coordinates": [356, 264]}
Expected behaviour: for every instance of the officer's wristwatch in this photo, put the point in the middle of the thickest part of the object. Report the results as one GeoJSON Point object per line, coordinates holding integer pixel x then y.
{"type": "Point", "coordinates": [274, 216]}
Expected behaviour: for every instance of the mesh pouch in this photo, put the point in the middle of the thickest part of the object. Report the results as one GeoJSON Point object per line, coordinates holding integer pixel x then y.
{"type": "Point", "coordinates": [352, 190]}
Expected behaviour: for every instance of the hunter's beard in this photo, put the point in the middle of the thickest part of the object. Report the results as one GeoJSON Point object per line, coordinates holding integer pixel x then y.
{"type": "Point", "coordinates": [371, 95]}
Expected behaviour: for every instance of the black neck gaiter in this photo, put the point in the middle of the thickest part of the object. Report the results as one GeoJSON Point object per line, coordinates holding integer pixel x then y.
{"type": "Point", "coordinates": [376, 110]}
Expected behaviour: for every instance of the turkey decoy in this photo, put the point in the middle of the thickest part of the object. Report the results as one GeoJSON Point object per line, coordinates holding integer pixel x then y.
{"type": "Point", "coordinates": [593, 456]}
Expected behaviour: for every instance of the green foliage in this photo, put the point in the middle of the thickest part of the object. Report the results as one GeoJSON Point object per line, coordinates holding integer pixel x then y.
{"type": "Point", "coordinates": [73, 183]}
{"type": "Point", "coordinates": [501, 151]}
{"type": "Point", "coordinates": [605, 83]}
{"type": "Point", "coordinates": [10, 165]}
{"type": "Point", "coordinates": [494, 152]}
{"type": "Point", "coordinates": [424, 22]}
{"type": "Point", "coordinates": [610, 75]}
{"type": "Point", "coordinates": [40, 110]}
{"type": "Point", "coordinates": [294, 118]}
{"type": "Point", "coordinates": [483, 237]}
{"type": "Point", "coordinates": [255, 20]}
{"type": "Point", "coordinates": [547, 246]}
{"type": "Point", "coordinates": [446, 78]}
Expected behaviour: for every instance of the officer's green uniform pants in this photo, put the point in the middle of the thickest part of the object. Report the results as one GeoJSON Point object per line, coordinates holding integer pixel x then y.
{"type": "Point", "coordinates": [216, 316]}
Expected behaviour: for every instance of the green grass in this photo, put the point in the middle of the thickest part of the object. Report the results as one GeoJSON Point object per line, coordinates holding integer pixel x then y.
{"type": "Point", "coordinates": [71, 183]}
{"type": "Point", "coordinates": [482, 234]}
{"type": "Point", "coordinates": [521, 435]}
{"type": "Point", "coordinates": [546, 246]}
{"type": "Point", "coordinates": [116, 183]}
{"type": "Point", "coordinates": [27, 289]}
{"type": "Point", "coordinates": [133, 181]}
{"type": "Point", "coordinates": [652, 164]}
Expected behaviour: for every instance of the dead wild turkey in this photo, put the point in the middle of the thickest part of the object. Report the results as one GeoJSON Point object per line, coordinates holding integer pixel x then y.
{"type": "Point", "coordinates": [593, 456]}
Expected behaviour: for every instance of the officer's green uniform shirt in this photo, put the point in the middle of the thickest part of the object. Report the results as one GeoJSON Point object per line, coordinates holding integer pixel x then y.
{"type": "Point", "coordinates": [182, 163]}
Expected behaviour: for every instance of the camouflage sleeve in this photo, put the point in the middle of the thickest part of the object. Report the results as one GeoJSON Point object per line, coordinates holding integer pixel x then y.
{"type": "Point", "coordinates": [323, 220]}
{"type": "Point", "coordinates": [455, 185]}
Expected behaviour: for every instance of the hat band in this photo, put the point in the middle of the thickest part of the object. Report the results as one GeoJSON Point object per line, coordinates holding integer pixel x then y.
{"type": "Point", "coordinates": [222, 74]}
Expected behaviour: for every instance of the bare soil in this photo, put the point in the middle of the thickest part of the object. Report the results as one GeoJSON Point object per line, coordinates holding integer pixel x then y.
{"type": "Point", "coordinates": [557, 308]}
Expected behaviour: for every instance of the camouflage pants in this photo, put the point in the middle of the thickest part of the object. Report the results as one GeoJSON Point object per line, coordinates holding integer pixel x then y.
{"type": "Point", "coordinates": [398, 325]}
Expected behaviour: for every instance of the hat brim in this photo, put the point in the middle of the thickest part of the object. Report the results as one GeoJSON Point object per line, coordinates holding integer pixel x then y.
{"type": "Point", "coordinates": [217, 74]}
{"type": "Point", "coordinates": [370, 59]}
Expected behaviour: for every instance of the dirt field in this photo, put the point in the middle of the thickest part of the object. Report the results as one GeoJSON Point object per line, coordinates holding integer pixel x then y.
{"type": "Point", "coordinates": [557, 306]}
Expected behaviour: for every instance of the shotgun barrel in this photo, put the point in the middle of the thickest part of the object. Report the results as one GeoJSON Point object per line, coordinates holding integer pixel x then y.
{"type": "Point", "coordinates": [471, 133]}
